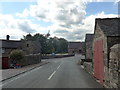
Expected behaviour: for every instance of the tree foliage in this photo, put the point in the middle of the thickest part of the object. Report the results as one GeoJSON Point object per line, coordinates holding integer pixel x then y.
{"type": "Point", "coordinates": [17, 55]}
{"type": "Point", "coordinates": [49, 45]}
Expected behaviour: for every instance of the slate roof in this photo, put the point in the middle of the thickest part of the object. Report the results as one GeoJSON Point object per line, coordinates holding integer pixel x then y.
{"type": "Point", "coordinates": [75, 45]}
{"type": "Point", "coordinates": [110, 26]}
{"type": "Point", "coordinates": [89, 37]}
{"type": "Point", "coordinates": [10, 44]}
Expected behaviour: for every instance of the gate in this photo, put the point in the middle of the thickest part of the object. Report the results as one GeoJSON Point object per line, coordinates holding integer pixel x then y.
{"type": "Point", "coordinates": [5, 62]}
{"type": "Point", "coordinates": [99, 61]}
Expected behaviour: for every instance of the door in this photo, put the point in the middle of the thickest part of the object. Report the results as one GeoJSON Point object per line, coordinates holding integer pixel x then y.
{"type": "Point", "coordinates": [5, 62]}
{"type": "Point", "coordinates": [99, 61]}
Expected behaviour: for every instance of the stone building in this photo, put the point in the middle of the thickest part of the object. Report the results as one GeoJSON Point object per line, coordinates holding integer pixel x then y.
{"type": "Point", "coordinates": [6, 47]}
{"type": "Point", "coordinates": [28, 46]}
{"type": "Point", "coordinates": [105, 36]}
{"type": "Point", "coordinates": [88, 47]}
{"type": "Point", "coordinates": [76, 48]}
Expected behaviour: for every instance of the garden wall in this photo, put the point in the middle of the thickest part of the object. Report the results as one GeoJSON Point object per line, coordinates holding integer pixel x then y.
{"type": "Point", "coordinates": [31, 59]}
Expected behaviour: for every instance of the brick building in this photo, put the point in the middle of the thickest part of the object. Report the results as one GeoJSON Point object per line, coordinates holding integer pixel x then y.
{"type": "Point", "coordinates": [106, 35]}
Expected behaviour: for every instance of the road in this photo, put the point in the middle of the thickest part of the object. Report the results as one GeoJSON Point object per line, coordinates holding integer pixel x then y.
{"type": "Point", "coordinates": [59, 73]}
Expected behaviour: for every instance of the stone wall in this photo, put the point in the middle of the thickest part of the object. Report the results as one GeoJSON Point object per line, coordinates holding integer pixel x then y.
{"type": "Point", "coordinates": [56, 56]}
{"type": "Point", "coordinates": [89, 52]}
{"type": "Point", "coordinates": [88, 67]}
{"type": "Point", "coordinates": [31, 59]}
{"type": "Point", "coordinates": [114, 66]}
{"type": "Point", "coordinates": [0, 54]}
{"type": "Point", "coordinates": [108, 56]}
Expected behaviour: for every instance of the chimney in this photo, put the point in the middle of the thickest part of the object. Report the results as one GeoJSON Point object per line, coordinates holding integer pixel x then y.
{"type": "Point", "coordinates": [7, 37]}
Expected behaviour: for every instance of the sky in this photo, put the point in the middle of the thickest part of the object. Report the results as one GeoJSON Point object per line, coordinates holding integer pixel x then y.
{"type": "Point", "coordinates": [69, 19]}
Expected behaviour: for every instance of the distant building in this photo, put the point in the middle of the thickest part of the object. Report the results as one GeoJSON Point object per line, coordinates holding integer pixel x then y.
{"type": "Point", "coordinates": [76, 48]}
{"type": "Point", "coordinates": [106, 35]}
{"type": "Point", "coordinates": [88, 47]}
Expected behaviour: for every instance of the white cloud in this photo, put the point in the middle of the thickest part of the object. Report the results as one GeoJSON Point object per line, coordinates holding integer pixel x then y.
{"type": "Point", "coordinates": [59, 11]}
{"type": "Point", "coordinates": [25, 13]}
{"type": "Point", "coordinates": [77, 32]}
{"type": "Point", "coordinates": [16, 28]}
{"type": "Point", "coordinates": [68, 18]}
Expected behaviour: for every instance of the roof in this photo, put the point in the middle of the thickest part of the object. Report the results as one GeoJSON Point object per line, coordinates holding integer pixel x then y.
{"type": "Point", "coordinates": [89, 37]}
{"type": "Point", "coordinates": [10, 43]}
{"type": "Point", "coordinates": [75, 45]}
{"type": "Point", "coordinates": [109, 26]}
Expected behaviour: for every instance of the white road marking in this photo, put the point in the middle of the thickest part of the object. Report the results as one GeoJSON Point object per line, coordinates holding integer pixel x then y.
{"type": "Point", "coordinates": [20, 76]}
{"type": "Point", "coordinates": [54, 72]}
{"type": "Point", "coordinates": [51, 75]}
{"type": "Point", "coordinates": [58, 67]}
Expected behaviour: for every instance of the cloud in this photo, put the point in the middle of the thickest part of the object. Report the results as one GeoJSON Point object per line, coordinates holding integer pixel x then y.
{"type": "Point", "coordinates": [77, 32]}
{"type": "Point", "coordinates": [25, 13]}
{"type": "Point", "coordinates": [59, 11]}
{"type": "Point", "coordinates": [68, 17]}
{"type": "Point", "coordinates": [24, 25]}
{"type": "Point", "coordinates": [61, 31]}
{"type": "Point", "coordinates": [15, 27]}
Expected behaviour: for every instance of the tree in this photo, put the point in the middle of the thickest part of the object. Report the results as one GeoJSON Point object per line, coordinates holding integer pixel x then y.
{"type": "Point", "coordinates": [28, 37]}
{"type": "Point", "coordinates": [16, 56]}
{"type": "Point", "coordinates": [49, 45]}
{"type": "Point", "coordinates": [63, 45]}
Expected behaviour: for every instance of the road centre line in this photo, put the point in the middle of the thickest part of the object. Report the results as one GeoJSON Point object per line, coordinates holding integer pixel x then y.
{"type": "Point", "coordinates": [51, 75]}
{"type": "Point", "coordinates": [54, 72]}
{"type": "Point", "coordinates": [58, 67]}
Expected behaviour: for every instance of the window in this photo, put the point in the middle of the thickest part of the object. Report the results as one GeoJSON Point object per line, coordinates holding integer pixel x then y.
{"type": "Point", "coordinates": [27, 45]}
{"type": "Point", "coordinates": [2, 50]}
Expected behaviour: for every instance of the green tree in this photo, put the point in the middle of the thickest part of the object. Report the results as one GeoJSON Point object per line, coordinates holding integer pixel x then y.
{"type": "Point", "coordinates": [16, 56]}
{"type": "Point", "coordinates": [49, 45]}
{"type": "Point", "coordinates": [63, 45]}
{"type": "Point", "coordinates": [28, 37]}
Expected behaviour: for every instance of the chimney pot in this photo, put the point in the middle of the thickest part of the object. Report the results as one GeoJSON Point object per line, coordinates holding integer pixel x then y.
{"type": "Point", "coordinates": [7, 37]}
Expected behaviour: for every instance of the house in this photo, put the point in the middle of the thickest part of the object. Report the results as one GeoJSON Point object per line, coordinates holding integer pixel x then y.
{"type": "Point", "coordinates": [76, 48]}
{"type": "Point", "coordinates": [28, 46]}
{"type": "Point", "coordinates": [6, 47]}
{"type": "Point", "coordinates": [105, 36]}
{"type": "Point", "coordinates": [88, 47]}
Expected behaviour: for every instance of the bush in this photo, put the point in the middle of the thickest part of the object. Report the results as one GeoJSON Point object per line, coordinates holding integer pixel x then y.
{"type": "Point", "coordinates": [16, 56]}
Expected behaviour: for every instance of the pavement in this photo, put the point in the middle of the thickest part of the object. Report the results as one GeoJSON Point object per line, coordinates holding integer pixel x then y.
{"type": "Point", "coordinates": [59, 73]}
{"type": "Point", "coordinates": [9, 73]}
